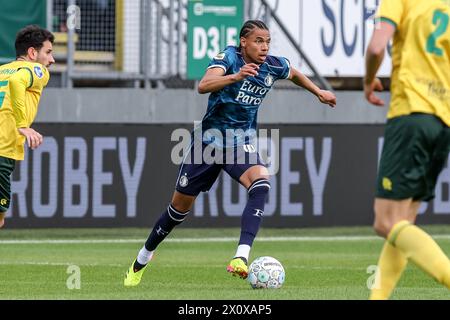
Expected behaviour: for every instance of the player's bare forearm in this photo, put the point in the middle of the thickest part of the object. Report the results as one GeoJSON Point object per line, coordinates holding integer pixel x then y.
{"type": "Point", "coordinates": [326, 97]}
{"type": "Point", "coordinates": [303, 81]}
{"type": "Point", "coordinates": [215, 78]}
{"type": "Point", "coordinates": [383, 33]}
{"type": "Point", "coordinates": [374, 59]}
{"type": "Point", "coordinates": [213, 83]}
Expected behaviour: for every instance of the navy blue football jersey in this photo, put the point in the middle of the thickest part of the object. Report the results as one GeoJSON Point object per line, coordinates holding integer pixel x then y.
{"type": "Point", "coordinates": [233, 110]}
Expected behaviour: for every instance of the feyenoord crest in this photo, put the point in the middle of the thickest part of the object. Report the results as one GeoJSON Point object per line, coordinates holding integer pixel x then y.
{"type": "Point", "coordinates": [184, 181]}
{"type": "Point", "coordinates": [268, 80]}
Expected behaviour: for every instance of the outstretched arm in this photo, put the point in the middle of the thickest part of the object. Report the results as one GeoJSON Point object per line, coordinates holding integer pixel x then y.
{"type": "Point", "coordinates": [374, 57]}
{"type": "Point", "coordinates": [303, 81]}
{"type": "Point", "coordinates": [215, 78]}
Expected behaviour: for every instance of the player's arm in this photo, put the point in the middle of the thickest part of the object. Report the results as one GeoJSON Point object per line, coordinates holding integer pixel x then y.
{"type": "Point", "coordinates": [303, 81]}
{"type": "Point", "coordinates": [18, 85]}
{"type": "Point", "coordinates": [374, 57]}
{"type": "Point", "coordinates": [215, 78]}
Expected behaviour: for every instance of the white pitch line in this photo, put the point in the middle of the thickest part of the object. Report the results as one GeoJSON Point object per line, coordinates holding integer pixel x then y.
{"type": "Point", "coordinates": [194, 240]}
{"type": "Point", "coordinates": [57, 264]}
{"type": "Point", "coordinates": [116, 265]}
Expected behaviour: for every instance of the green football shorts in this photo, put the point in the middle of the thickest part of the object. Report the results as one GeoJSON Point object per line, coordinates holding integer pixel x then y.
{"type": "Point", "coordinates": [6, 169]}
{"type": "Point", "coordinates": [416, 149]}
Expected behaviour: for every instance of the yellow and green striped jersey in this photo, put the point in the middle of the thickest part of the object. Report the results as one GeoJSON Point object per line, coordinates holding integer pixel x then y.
{"type": "Point", "coordinates": [420, 79]}
{"type": "Point", "coordinates": [21, 85]}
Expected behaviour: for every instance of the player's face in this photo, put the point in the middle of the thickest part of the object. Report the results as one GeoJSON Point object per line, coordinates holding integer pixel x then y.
{"type": "Point", "coordinates": [256, 45]}
{"type": "Point", "coordinates": [45, 55]}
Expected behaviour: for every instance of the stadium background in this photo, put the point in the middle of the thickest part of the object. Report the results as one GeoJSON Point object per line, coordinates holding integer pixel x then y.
{"type": "Point", "coordinates": [125, 79]}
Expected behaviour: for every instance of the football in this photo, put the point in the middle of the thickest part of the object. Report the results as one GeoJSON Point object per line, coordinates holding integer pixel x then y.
{"type": "Point", "coordinates": [266, 273]}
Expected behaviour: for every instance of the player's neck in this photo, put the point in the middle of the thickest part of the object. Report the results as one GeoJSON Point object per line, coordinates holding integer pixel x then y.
{"type": "Point", "coordinates": [247, 60]}
{"type": "Point", "coordinates": [23, 59]}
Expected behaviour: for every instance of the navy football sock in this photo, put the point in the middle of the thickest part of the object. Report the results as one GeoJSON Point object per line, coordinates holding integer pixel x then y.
{"type": "Point", "coordinates": [254, 210]}
{"type": "Point", "coordinates": [168, 220]}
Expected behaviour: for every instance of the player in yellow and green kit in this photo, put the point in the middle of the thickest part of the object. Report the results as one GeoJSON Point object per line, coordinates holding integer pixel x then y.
{"type": "Point", "coordinates": [417, 137]}
{"type": "Point", "coordinates": [21, 85]}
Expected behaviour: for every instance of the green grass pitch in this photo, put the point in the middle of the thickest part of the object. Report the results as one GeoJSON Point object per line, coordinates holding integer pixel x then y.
{"type": "Point", "coordinates": [320, 264]}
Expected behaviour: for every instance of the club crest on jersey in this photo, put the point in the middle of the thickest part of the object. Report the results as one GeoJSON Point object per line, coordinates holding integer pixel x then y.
{"type": "Point", "coordinates": [220, 56]}
{"type": "Point", "coordinates": [268, 80]}
{"type": "Point", "coordinates": [184, 181]}
{"type": "Point", "coordinates": [38, 72]}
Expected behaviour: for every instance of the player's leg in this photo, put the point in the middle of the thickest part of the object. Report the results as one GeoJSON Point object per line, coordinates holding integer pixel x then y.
{"type": "Point", "coordinates": [6, 168]}
{"type": "Point", "coordinates": [254, 176]}
{"type": "Point", "coordinates": [256, 181]}
{"type": "Point", "coordinates": [416, 148]}
{"type": "Point", "coordinates": [417, 246]}
{"type": "Point", "coordinates": [392, 262]}
{"type": "Point", "coordinates": [175, 214]}
{"type": "Point", "coordinates": [192, 179]}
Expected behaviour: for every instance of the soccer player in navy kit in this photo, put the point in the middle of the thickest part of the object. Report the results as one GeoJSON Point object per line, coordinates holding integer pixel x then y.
{"type": "Point", "coordinates": [238, 80]}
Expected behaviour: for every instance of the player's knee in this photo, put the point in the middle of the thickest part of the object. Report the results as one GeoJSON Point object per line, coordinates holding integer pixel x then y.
{"type": "Point", "coordinates": [181, 207]}
{"type": "Point", "coordinates": [174, 216]}
{"type": "Point", "coordinates": [181, 202]}
{"type": "Point", "coordinates": [382, 227]}
{"type": "Point", "coordinates": [260, 186]}
{"type": "Point", "coordinates": [179, 210]}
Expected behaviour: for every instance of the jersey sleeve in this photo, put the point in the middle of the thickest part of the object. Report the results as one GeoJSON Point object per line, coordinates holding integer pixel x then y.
{"type": "Point", "coordinates": [38, 75]}
{"type": "Point", "coordinates": [18, 84]}
{"type": "Point", "coordinates": [223, 60]}
{"type": "Point", "coordinates": [286, 72]}
{"type": "Point", "coordinates": [391, 11]}
{"type": "Point", "coordinates": [280, 66]}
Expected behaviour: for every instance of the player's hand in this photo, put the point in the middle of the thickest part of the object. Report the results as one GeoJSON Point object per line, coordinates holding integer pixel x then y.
{"type": "Point", "coordinates": [248, 70]}
{"type": "Point", "coordinates": [369, 92]}
{"type": "Point", "coordinates": [327, 97]}
{"type": "Point", "coordinates": [2, 219]}
{"type": "Point", "coordinates": [34, 138]}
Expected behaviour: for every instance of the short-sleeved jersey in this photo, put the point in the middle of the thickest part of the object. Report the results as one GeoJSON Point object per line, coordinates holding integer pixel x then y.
{"type": "Point", "coordinates": [420, 56]}
{"type": "Point", "coordinates": [11, 116]}
{"type": "Point", "coordinates": [235, 107]}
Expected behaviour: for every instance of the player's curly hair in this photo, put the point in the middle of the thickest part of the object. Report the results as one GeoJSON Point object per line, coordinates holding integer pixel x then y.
{"type": "Point", "coordinates": [251, 25]}
{"type": "Point", "coordinates": [31, 36]}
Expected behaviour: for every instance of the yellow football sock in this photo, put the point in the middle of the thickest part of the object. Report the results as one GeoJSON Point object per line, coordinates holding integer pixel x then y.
{"type": "Point", "coordinates": [418, 246]}
{"type": "Point", "coordinates": [391, 264]}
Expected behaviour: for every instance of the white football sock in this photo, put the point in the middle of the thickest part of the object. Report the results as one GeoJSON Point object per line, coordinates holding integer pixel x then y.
{"type": "Point", "coordinates": [144, 256]}
{"type": "Point", "coordinates": [243, 250]}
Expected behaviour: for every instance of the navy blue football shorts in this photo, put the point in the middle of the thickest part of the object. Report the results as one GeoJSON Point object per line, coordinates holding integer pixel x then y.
{"type": "Point", "coordinates": [203, 163]}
